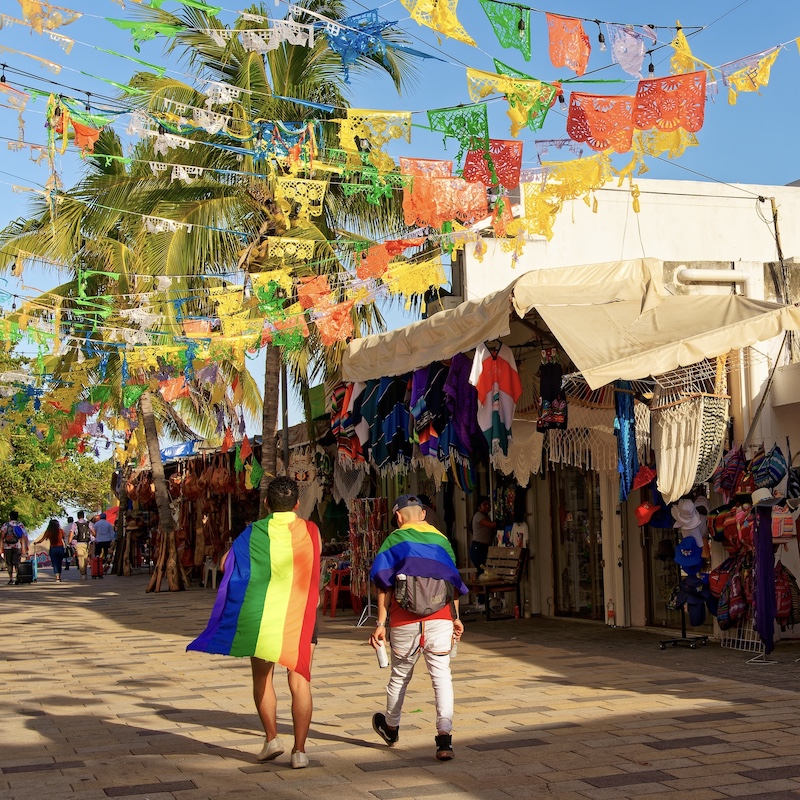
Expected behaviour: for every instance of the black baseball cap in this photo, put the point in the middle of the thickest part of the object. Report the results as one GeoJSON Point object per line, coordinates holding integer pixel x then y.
{"type": "Point", "coordinates": [404, 501]}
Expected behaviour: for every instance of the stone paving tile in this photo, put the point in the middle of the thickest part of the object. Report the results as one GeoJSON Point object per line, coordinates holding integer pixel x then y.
{"type": "Point", "coordinates": [533, 718]}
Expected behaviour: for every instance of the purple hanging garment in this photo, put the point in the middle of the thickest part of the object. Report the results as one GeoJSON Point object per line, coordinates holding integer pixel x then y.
{"type": "Point", "coordinates": [764, 576]}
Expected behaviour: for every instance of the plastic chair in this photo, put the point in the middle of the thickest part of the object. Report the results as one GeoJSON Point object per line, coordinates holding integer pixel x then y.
{"type": "Point", "coordinates": [210, 568]}
{"type": "Point", "coordinates": [340, 578]}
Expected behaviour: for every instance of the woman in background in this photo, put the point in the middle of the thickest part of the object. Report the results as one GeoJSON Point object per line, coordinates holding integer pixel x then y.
{"type": "Point", "coordinates": [55, 536]}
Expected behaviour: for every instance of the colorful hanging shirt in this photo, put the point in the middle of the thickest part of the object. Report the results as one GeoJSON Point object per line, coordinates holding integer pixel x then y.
{"type": "Point", "coordinates": [495, 376]}
{"type": "Point", "coordinates": [266, 605]}
{"type": "Point", "coordinates": [462, 434]}
{"type": "Point", "coordinates": [625, 431]}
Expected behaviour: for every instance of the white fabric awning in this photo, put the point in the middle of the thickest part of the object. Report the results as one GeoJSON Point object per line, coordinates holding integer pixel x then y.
{"type": "Point", "coordinates": [613, 320]}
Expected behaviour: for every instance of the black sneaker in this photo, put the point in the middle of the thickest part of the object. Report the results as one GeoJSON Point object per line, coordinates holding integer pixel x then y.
{"type": "Point", "coordinates": [444, 747]}
{"type": "Point", "coordinates": [382, 729]}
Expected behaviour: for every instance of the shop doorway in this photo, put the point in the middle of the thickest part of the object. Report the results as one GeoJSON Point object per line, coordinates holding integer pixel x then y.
{"type": "Point", "coordinates": [577, 543]}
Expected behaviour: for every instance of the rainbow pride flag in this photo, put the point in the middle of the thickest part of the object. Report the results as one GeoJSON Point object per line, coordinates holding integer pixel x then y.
{"type": "Point", "coordinates": [266, 605]}
{"type": "Point", "coordinates": [416, 549]}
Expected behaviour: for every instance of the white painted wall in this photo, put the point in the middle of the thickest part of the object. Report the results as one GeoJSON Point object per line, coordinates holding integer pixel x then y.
{"type": "Point", "coordinates": [679, 220]}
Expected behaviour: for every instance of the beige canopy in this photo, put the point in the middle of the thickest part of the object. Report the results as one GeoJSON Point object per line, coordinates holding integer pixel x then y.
{"type": "Point", "coordinates": [614, 321]}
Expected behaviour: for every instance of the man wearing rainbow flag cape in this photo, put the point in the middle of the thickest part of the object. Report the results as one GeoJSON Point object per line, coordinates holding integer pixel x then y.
{"type": "Point", "coordinates": [266, 608]}
{"type": "Point", "coordinates": [416, 549]}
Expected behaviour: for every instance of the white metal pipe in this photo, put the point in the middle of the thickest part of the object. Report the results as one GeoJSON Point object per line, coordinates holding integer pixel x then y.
{"type": "Point", "coordinates": [686, 275]}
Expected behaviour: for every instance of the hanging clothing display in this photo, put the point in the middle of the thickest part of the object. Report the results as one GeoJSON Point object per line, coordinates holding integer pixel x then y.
{"type": "Point", "coordinates": [552, 400]}
{"type": "Point", "coordinates": [392, 449]}
{"type": "Point", "coordinates": [461, 399]}
{"type": "Point", "coordinates": [494, 374]}
{"type": "Point", "coordinates": [625, 431]}
{"type": "Point", "coordinates": [524, 457]}
{"type": "Point", "coordinates": [428, 406]}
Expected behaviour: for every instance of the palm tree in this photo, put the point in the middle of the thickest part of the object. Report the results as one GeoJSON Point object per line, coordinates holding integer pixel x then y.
{"type": "Point", "coordinates": [88, 233]}
{"type": "Point", "coordinates": [309, 74]}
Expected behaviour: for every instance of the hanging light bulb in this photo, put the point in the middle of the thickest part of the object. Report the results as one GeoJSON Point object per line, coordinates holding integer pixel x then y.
{"type": "Point", "coordinates": [88, 101]}
{"type": "Point", "coordinates": [600, 37]}
{"type": "Point", "coordinates": [562, 99]}
{"type": "Point", "coordinates": [651, 67]}
{"type": "Point", "coordinates": [3, 74]}
{"type": "Point", "coordinates": [521, 24]}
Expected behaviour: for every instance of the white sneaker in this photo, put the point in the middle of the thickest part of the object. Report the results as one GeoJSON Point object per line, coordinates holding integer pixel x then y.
{"type": "Point", "coordinates": [299, 760]}
{"type": "Point", "coordinates": [270, 750]}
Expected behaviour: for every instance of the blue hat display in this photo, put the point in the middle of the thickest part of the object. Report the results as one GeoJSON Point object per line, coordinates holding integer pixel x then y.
{"type": "Point", "coordinates": [688, 553]}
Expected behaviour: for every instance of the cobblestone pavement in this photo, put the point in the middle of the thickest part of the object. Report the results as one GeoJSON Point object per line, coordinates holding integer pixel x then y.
{"type": "Point", "coordinates": [99, 699]}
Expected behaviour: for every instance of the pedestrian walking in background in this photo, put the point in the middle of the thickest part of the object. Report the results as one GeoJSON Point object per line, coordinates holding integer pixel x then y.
{"type": "Point", "coordinates": [417, 553]}
{"type": "Point", "coordinates": [15, 544]}
{"type": "Point", "coordinates": [80, 534]}
{"type": "Point", "coordinates": [55, 536]}
{"type": "Point", "coordinates": [266, 608]}
{"type": "Point", "coordinates": [68, 547]}
{"type": "Point", "coordinates": [104, 535]}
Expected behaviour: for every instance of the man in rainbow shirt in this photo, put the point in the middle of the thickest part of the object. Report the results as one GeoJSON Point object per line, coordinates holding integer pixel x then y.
{"type": "Point", "coordinates": [416, 549]}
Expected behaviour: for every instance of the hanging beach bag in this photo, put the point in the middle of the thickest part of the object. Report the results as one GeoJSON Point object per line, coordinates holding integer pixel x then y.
{"type": "Point", "coordinates": [782, 523]}
{"type": "Point", "coordinates": [727, 474]}
{"type": "Point", "coordinates": [771, 469]}
{"type": "Point", "coordinates": [719, 577]}
{"type": "Point", "coordinates": [783, 596]}
{"type": "Point", "coordinates": [793, 475]}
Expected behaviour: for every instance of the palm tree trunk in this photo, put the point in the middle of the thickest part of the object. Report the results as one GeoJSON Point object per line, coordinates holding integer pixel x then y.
{"type": "Point", "coordinates": [122, 564]}
{"type": "Point", "coordinates": [165, 522]}
{"type": "Point", "coordinates": [269, 423]}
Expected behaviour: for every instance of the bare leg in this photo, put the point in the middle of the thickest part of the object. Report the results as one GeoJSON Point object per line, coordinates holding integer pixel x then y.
{"type": "Point", "coordinates": [264, 695]}
{"type": "Point", "coordinates": [302, 707]}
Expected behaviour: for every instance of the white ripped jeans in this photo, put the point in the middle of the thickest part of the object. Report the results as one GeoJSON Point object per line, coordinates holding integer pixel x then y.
{"type": "Point", "coordinates": [434, 639]}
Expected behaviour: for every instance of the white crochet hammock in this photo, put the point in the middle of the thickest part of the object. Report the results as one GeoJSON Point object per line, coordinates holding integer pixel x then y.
{"type": "Point", "coordinates": [689, 416]}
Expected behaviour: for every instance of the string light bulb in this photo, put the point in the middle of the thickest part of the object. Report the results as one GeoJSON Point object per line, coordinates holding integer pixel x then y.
{"type": "Point", "coordinates": [600, 37]}
{"type": "Point", "coordinates": [521, 24]}
{"type": "Point", "coordinates": [651, 67]}
{"type": "Point", "coordinates": [3, 74]}
{"type": "Point", "coordinates": [561, 99]}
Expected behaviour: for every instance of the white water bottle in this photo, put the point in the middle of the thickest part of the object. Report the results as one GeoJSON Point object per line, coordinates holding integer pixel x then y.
{"type": "Point", "coordinates": [383, 656]}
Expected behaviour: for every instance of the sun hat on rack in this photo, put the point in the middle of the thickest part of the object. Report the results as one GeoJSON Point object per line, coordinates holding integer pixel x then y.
{"type": "Point", "coordinates": [689, 554]}
{"type": "Point", "coordinates": [644, 512]}
{"type": "Point", "coordinates": [764, 497]}
{"type": "Point", "coordinates": [685, 514]}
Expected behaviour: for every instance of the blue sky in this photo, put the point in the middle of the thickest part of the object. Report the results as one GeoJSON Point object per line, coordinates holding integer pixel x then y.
{"type": "Point", "coordinates": [749, 142]}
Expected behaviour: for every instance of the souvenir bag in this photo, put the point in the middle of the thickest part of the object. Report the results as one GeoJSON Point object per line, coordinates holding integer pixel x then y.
{"type": "Point", "coordinates": [793, 475]}
{"type": "Point", "coordinates": [746, 484]}
{"type": "Point", "coordinates": [795, 590]}
{"type": "Point", "coordinates": [771, 469]}
{"type": "Point", "coordinates": [726, 477]}
{"type": "Point", "coordinates": [744, 523]}
{"type": "Point", "coordinates": [719, 577]}
{"type": "Point", "coordinates": [175, 483]}
{"type": "Point", "coordinates": [191, 486]}
{"type": "Point", "coordinates": [737, 602]}
{"type": "Point", "coordinates": [782, 523]}
{"type": "Point", "coordinates": [783, 596]}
